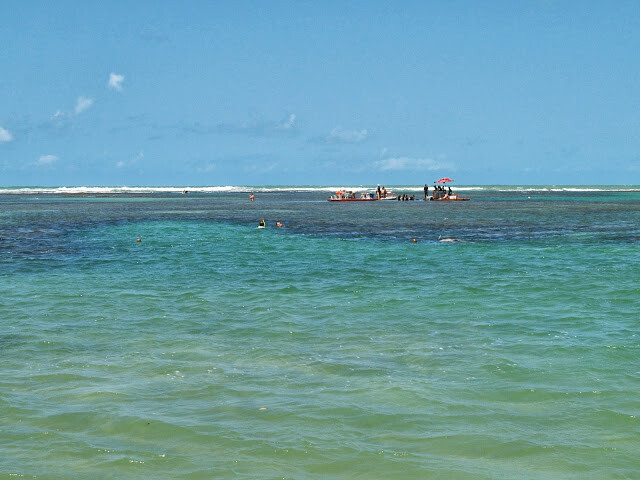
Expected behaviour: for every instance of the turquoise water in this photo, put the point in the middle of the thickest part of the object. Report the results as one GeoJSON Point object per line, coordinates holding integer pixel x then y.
{"type": "Point", "coordinates": [334, 347]}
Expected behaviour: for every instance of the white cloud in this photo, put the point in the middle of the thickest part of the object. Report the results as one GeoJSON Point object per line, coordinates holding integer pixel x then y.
{"type": "Point", "coordinates": [82, 104]}
{"type": "Point", "coordinates": [209, 167]}
{"type": "Point", "coordinates": [5, 135]}
{"type": "Point", "coordinates": [64, 119]}
{"type": "Point", "coordinates": [406, 163]}
{"type": "Point", "coordinates": [257, 128]}
{"type": "Point", "coordinates": [289, 124]}
{"type": "Point", "coordinates": [115, 81]}
{"type": "Point", "coordinates": [60, 119]}
{"type": "Point", "coordinates": [134, 160]}
{"type": "Point", "coordinates": [46, 160]}
{"type": "Point", "coordinates": [339, 135]}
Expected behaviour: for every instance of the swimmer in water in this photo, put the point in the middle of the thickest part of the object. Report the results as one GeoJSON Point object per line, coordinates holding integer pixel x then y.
{"type": "Point", "coordinates": [451, 239]}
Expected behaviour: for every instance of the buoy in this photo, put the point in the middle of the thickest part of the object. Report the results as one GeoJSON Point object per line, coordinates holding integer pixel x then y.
{"type": "Point", "coordinates": [139, 240]}
{"type": "Point", "coordinates": [414, 240]}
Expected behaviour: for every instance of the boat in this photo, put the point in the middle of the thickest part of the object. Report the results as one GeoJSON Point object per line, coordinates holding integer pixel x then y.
{"type": "Point", "coordinates": [390, 196]}
{"type": "Point", "coordinates": [454, 197]}
{"type": "Point", "coordinates": [350, 196]}
{"type": "Point", "coordinates": [440, 194]}
{"type": "Point", "coordinates": [344, 196]}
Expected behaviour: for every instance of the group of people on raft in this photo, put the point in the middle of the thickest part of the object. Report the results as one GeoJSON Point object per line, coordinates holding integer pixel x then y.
{"type": "Point", "coordinates": [381, 192]}
{"type": "Point", "coordinates": [350, 195]}
{"type": "Point", "coordinates": [439, 191]}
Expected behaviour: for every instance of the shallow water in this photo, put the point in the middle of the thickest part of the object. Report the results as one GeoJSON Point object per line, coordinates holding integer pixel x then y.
{"type": "Point", "coordinates": [335, 347]}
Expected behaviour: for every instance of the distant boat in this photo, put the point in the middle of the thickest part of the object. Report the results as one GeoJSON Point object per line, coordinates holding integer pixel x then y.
{"type": "Point", "coordinates": [441, 195]}
{"type": "Point", "coordinates": [454, 197]}
{"type": "Point", "coordinates": [344, 196]}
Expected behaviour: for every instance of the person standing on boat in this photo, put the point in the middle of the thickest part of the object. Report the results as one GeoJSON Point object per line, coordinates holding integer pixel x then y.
{"type": "Point", "coordinates": [426, 191]}
{"type": "Point", "coordinates": [378, 192]}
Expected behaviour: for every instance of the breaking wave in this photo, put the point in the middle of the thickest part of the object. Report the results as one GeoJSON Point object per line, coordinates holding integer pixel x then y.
{"type": "Point", "coordinates": [151, 190]}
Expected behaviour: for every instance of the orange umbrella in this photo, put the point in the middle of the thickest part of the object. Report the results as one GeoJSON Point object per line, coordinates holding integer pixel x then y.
{"type": "Point", "coordinates": [444, 180]}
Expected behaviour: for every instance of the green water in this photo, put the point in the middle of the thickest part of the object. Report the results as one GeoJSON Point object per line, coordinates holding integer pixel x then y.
{"type": "Point", "coordinates": [334, 347]}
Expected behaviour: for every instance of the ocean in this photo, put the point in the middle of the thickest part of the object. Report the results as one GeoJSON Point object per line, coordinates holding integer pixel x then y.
{"type": "Point", "coordinates": [156, 332]}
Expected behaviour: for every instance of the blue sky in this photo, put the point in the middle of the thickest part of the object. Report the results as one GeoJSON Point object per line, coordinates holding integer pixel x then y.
{"type": "Point", "coordinates": [319, 93]}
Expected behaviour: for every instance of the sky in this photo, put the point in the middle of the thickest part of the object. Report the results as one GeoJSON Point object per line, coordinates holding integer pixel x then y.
{"type": "Point", "coordinates": [124, 93]}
